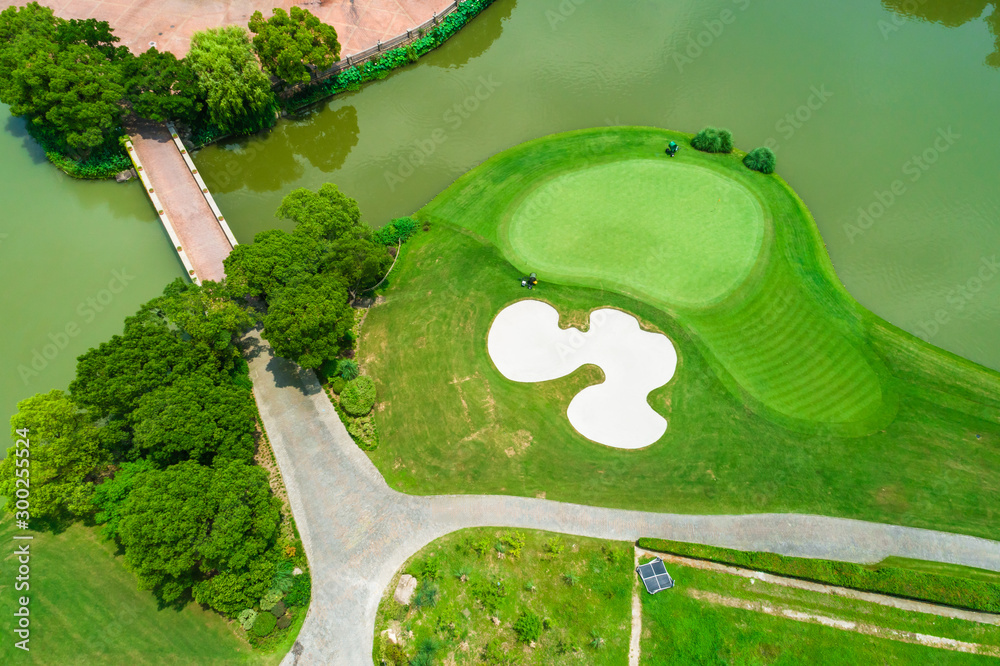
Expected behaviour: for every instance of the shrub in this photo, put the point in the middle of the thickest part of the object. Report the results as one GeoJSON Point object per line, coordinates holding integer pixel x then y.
{"type": "Point", "coordinates": [283, 577]}
{"type": "Point", "coordinates": [264, 624]}
{"type": "Point", "coordinates": [528, 627]}
{"type": "Point", "coordinates": [270, 598]}
{"type": "Point", "coordinates": [555, 545]}
{"type": "Point", "coordinates": [429, 569]}
{"type": "Point", "coordinates": [338, 384]}
{"type": "Point", "coordinates": [760, 159]}
{"type": "Point", "coordinates": [358, 397]}
{"type": "Point", "coordinates": [426, 596]}
{"type": "Point", "coordinates": [513, 543]}
{"type": "Point", "coordinates": [395, 655]}
{"type": "Point", "coordinates": [301, 589]}
{"type": "Point", "coordinates": [347, 368]}
{"type": "Point", "coordinates": [481, 547]}
{"type": "Point", "coordinates": [712, 140]}
{"type": "Point", "coordinates": [246, 618]}
{"type": "Point", "coordinates": [328, 370]}
{"type": "Point", "coordinates": [278, 609]}
{"type": "Point", "coordinates": [489, 593]}
{"type": "Point", "coordinates": [283, 622]}
{"type": "Point", "coordinates": [570, 579]}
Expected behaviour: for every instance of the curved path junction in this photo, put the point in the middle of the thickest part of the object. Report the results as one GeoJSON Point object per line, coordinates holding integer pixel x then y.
{"type": "Point", "coordinates": [357, 531]}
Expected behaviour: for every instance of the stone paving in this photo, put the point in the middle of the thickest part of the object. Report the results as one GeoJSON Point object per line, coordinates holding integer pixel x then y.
{"type": "Point", "coordinates": [193, 220]}
{"type": "Point", "coordinates": [169, 24]}
{"type": "Point", "coordinates": [357, 531]}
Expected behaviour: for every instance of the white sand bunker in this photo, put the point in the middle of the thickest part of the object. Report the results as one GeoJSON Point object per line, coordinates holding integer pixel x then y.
{"type": "Point", "coordinates": [527, 345]}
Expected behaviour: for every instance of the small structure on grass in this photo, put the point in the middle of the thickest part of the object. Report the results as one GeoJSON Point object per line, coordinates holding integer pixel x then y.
{"type": "Point", "coordinates": [654, 576]}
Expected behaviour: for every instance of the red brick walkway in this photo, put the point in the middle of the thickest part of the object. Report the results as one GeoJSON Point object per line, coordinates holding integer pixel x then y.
{"type": "Point", "coordinates": [193, 221]}
{"type": "Point", "coordinates": [170, 23]}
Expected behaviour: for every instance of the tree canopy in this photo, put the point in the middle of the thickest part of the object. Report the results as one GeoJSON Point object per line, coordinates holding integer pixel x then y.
{"type": "Point", "coordinates": [238, 93]}
{"type": "Point", "coordinates": [289, 43]}
{"type": "Point", "coordinates": [187, 523]}
{"type": "Point", "coordinates": [65, 452]}
{"type": "Point", "coordinates": [161, 87]}
{"type": "Point", "coordinates": [274, 258]}
{"type": "Point", "coordinates": [325, 214]}
{"type": "Point", "coordinates": [307, 320]}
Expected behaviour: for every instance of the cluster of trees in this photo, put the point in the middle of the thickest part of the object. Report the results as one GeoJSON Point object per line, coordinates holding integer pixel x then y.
{"type": "Point", "coordinates": [75, 84]}
{"type": "Point", "coordinates": [155, 440]}
{"type": "Point", "coordinates": [309, 277]}
{"type": "Point", "coordinates": [713, 140]}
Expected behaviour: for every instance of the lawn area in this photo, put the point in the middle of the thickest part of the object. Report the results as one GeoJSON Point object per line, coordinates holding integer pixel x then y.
{"type": "Point", "coordinates": [579, 588]}
{"type": "Point", "coordinates": [923, 448]}
{"type": "Point", "coordinates": [679, 628]}
{"type": "Point", "coordinates": [86, 608]}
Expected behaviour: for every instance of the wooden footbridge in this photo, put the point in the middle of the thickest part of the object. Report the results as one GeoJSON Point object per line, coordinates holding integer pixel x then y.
{"type": "Point", "coordinates": [196, 227]}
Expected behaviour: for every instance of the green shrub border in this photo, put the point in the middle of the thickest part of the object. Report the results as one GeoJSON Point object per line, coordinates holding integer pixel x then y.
{"type": "Point", "coordinates": [352, 77]}
{"type": "Point", "coordinates": [922, 586]}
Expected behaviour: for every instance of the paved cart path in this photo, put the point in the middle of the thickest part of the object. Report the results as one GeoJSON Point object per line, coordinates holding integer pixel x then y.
{"type": "Point", "coordinates": [357, 531]}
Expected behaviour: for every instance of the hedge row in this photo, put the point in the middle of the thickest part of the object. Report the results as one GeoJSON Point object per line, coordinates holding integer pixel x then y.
{"type": "Point", "coordinates": [937, 588]}
{"type": "Point", "coordinates": [352, 77]}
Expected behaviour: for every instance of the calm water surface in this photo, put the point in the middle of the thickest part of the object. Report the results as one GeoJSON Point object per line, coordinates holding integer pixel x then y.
{"type": "Point", "coordinates": [884, 123]}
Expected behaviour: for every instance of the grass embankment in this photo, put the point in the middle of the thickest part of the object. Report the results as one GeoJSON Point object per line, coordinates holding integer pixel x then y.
{"type": "Point", "coordinates": [949, 589]}
{"type": "Point", "coordinates": [716, 618]}
{"type": "Point", "coordinates": [86, 606]}
{"type": "Point", "coordinates": [450, 423]}
{"type": "Point", "coordinates": [579, 589]}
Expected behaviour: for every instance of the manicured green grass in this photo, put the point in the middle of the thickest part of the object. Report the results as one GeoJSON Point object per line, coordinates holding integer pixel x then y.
{"type": "Point", "coordinates": [584, 590]}
{"type": "Point", "coordinates": [700, 236]}
{"type": "Point", "coordinates": [681, 629]}
{"type": "Point", "coordinates": [86, 608]}
{"type": "Point", "coordinates": [951, 588]}
{"type": "Point", "coordinates": [929, 456]}
{"type": "Point", "coordinates": [679, 233]}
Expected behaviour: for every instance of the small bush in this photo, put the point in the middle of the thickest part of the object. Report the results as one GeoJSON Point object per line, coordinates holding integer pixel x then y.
{"type": "Point", "coordinates": [528, 627]}
{"type": "Point", "coordinates": [712, 140]}
{"type": "Point", "coordinates": [270, 598]}
{"type": "Point", "coordinates": [760, 159]}
{"type": "Point", "coordinates": [347, 368]}
{"type": "Point", "coordinates": [395, 655]}
{"type": "Point", "coordinates": [481, 547]}
{"type": "Point", "coordinates": [425, 653]}
{"type": "Point", "coordinates": [278, 609]}
{"type": "Point", "coordinates": [555, 545]}
{"type": "Point", "coordinates": [358, 397]}
{"type": "Point", "coordinates": [429, 569]}
{"type": "Point", "coordinates": [283, 577]}
{"type": "Point", "coordinates": [489, 594]}
{"type": "Point", "coordinates": [426, 596]}
{"type": "Point", "coordinates": [283, 622]}
{"type": "Point", "coordinates": [570, 579]}
{"type": "Point", "coordinates": [328, 370]}
{"type": "Point", "coordinates": [264, 624]}
{"type": "Point", "coordinates": [246, 618]}
{"type": "Point", "coordinates": [301, 589]}
{"type": "Point", "coordinates": [338, 384]}
{"type": "Point", "coordinates": [397, 231]}
{"type": "Point", "coordinates": [513, 543]}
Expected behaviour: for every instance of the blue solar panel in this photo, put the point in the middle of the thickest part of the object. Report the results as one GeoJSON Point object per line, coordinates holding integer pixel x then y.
{"type": "Point", "coordinates": [654, 576]}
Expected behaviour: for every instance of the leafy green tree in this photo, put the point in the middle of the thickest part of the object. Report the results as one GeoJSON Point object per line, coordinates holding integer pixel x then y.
{"type": "Point", "coordinates": [238, 93]}
{"type": "Point", "coordinates": [359, 259]}
{"type": "Point", "coordinates": [188, 523]}
{"type": "Point", "coordinates": [161, 87]}
{"type": "Point", "coordinates": [208, 314]}
{"type": "Point", "coordinates": [112, 378]}
{"type": "Point", "coordinates": [95, 35]}
{"type": "Point", "coordinates": [194, 419]}
{"type": "Point", "coordinates": [65, 454]}
{"type": "Point", "coordinates": [326, 214]}
{"type": "Point", "coordinates": [307, 320]}
{"type": "Point", "coordinates": [273, 259]}
{"type": "Point", "coordinates": [288, 44]}
{"type": "Point", "coordinates": [110, 496]}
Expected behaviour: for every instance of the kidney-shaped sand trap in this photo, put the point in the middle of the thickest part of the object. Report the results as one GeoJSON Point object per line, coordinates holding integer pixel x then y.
{"type": "Point", "coordinates": [527, 345]}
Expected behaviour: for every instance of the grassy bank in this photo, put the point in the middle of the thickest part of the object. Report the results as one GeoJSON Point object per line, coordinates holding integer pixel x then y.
{"type": "Point", "coordinates": [579, 590]}
{"type": "Point", "coordinates": [85, 606]}
{"type": "Point", "coordinates": [952, 590]}
{"type": "Point", "coordinates": [716, 618]}
{"type": "Point", "coordinates": [928, 456]}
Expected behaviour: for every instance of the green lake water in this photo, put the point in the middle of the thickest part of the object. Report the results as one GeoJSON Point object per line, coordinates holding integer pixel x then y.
{"type": "Point", "coordinates": [884, 123]}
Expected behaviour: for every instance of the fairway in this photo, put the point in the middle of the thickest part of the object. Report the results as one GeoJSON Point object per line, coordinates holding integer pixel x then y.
{"type": "Point", "coordinates": [679, 233]}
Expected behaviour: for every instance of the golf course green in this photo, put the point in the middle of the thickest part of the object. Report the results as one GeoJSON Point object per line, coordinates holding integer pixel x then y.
{"type": "Point", "coordinates": [700, 236]}
{"type": "Point", "coordinates": [679, 233]}
{"type": "Point", "coordinates": [788, 396]}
